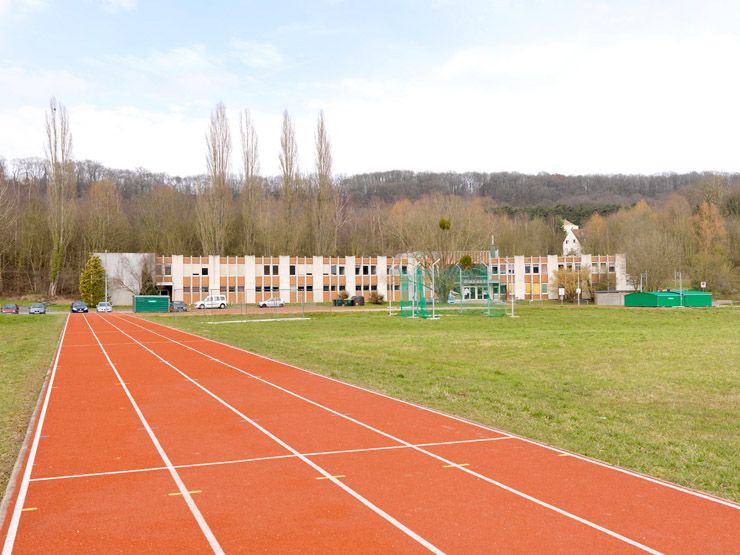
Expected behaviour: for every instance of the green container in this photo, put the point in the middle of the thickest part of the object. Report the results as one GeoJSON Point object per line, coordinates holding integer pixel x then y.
{"type": "Point", "coordinates": [697, 298]}
{"type": "Point", "coordinates": [668, 298]}
{"type": "Point", "coordinates": [151, 303]}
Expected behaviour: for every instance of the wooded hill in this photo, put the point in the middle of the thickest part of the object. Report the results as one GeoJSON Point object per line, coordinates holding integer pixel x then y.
{"type": "Point", "coordinates": [690, 221]}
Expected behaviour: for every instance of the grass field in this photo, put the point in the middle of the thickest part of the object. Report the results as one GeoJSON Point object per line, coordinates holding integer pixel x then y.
{"type": "Point", "coordinates": [27, 344]}
{"type": "Point", "coordinates": [657, 391]}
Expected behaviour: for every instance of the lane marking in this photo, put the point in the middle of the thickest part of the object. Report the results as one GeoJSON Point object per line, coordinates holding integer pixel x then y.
{"type": "Point", "coordinates": [578, 456]}
{"type": "Point", "coordinates": [369, 504]}
{"type": "Point", "coordinates": [563, 455]}
{"type": "Point", "coordinates": [23, 490]}
{"type": "Point", "coordinates": [212, 541]}
{"type": "Point", "coordinates": [258, 459]}
{"type": "Point", "coordinates": [330, 477]}
{"type": "Point", "coordinates": [444, 460]}
{"type": "Point", "coordinates": [29, 509]}
{"type": "Point", "coordinates": [453, 465]}
{"type": "Point", "coordinates": [192, 491]}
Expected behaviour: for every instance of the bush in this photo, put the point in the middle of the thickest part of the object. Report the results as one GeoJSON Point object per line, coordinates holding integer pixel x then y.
{"type": "Point", "coordinates": [343, 295]}
{"type": "Point", "coordinates": [375, 298]}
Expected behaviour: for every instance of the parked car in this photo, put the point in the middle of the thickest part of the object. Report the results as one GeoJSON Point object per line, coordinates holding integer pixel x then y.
{"type": "Point", "coordinates": [104, 306]}
{"type": "Point", "coordinates": [78, 306]}
{"type": "Point", "coordinates": [358, 300]}
{"type": "Point", "coordinates": [37, 308]}
{"type": "Point", "coordinates": [212, 301]}
{"type": "Point", "coordinates": [10, 309]}
{"type": "Point", "coordinates": [272, 302]}
{"type": "Point", "coordinates": [178, 306]}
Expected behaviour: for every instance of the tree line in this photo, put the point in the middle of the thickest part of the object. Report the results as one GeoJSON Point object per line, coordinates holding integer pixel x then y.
{"type": "Point", "coordinates": [55, 211]}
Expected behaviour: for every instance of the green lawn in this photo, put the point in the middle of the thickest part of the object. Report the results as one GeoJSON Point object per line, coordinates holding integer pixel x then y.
{"type": "Point", "coordinates": [655, 390]}
{"type": "Point", "coordinates": [27, 345]}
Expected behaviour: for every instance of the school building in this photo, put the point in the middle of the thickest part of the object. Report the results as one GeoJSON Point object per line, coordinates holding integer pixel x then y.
{"type": "Point", "coordinates": [316, 279]}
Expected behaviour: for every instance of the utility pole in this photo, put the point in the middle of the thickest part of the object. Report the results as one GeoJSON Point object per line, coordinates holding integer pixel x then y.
{"type": "Point", "coordinates": [434, 291]}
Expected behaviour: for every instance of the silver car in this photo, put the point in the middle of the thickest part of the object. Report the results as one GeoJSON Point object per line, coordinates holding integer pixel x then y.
{"type": "Point", "coordinates": [104, 307]}
{"type": "Point", "coordinates": [37, 308]}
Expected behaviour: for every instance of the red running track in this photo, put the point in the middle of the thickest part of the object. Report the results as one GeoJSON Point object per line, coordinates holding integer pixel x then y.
{"type": "Point", "coordinates": [150, 439]}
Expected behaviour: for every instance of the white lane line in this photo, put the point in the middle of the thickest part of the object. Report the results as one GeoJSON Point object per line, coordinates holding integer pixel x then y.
{"type": "Point", "coordinates": [369, 504]}
{"type": "Point", "coordinates": [258, 459]}
{"type": "Point", "coordinates": [23, 490]}
{"type": "Point", "coordinates": [212, 541]}
{"type": "Point", "coordinates": [578, 456]}
{"type": "Point", "coordinates": [446, 461]}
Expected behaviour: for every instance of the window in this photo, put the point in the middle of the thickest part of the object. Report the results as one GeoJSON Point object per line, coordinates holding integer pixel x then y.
{"type": "Point", "coordinates": [186, 289]}
{"type": "Point", "coordinates": [275, 271]}
{"type": "Point", "coordinates": [292, 269]}
{"type": "Point", "coordinates": [240, 288]}
{"type": "Point", "coordinates": [266, 270]}
{"type": "Point", "coordinates": [204, 289]}
{"type": "Point", "coordinates": [357, 270]}
{"type": "Point", "coordinates": [364, 271]}
{"type": "Point", "coordinates": [543, 288]}
{"type": "Point", "coordinates": [258, 289]}
{"type": "Point", "coordinates": [223, 289]}
{"type": "Point", "coordinates": [494, 269]}
{"type": "Point", "coordinates": [511, 269]}
{"type": "Point", "coordinates": [527, 269]}
{"type": "Point", "coordinates": [168, 270]}
{"type": "Point", "coordinates": [611, 268]}
{"type": "Point", "coordinates": [373, 270]}
{"type": "Point", "coordinates": [326, 288]}
{"type": "Point", "coordinates": [341, 270]}
{"type": "Point", "coordinates": [535, 269]}
{"type": "Point", "coordinates": [204, 271]}
{"type": "Point", "coordinates": [232, 288]}
{"type": "Point", "coordinates": [334, 269]}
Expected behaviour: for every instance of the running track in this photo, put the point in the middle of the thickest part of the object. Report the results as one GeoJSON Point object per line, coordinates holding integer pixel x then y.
{"type": "Point", "coordinates": [151, 439]}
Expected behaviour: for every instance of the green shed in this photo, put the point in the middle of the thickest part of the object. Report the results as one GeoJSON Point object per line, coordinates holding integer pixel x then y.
{"type": "Point", "coordinates": [151, 303]}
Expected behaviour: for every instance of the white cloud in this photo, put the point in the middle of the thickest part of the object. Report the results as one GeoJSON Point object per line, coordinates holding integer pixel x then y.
{"type": "Point", "coordinates": [10, 8]}
{"type": "Point", "coordinates": [632, 106]}
{"type": "Point", "coordinates": [257, 55]}
{"type": "Point", "coordinates": [635, 105]}
{"type": "Point", "coordinates": [35, 86]}
{"type": "Point", "coordinates": [118, 5]}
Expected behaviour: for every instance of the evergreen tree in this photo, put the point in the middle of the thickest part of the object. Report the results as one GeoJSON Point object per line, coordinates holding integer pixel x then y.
{"type": "Point", "coordinates": [92, 281]}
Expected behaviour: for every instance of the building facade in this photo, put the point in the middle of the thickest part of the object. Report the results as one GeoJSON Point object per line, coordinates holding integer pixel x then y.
{"type": "Point", "coordinates": [316, 279]}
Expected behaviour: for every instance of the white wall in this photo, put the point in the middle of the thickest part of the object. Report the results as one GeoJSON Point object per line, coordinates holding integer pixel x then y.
{"type": "Point", "coordinates": [123, 272]}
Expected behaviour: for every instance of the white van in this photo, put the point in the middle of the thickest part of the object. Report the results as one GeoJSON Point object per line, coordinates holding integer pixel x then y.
{"type": "Point", "coordinates": [212, 301]}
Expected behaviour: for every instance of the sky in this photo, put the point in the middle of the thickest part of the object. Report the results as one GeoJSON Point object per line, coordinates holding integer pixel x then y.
{"type": "Point", "coordinates": [560, 86]}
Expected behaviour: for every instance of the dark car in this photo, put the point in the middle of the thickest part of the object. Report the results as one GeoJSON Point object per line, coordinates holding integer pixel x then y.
{"type": "Point", "coordinates": [358, 300]}
{"type": "Point", "coordinates": [178, 306]}
{"type": "Point", "coordinates": [78, 306]}
{"type": "Point", "coordinates": [10, 309]}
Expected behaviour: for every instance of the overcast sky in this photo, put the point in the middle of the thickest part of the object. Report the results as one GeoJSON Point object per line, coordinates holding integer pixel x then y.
{"type": "Point", "coordinates": [480, 85]}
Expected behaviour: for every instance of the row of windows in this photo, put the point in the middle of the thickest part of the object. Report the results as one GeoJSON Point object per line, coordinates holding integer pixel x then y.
{"type": "Point", "coordinates": [534, 269]}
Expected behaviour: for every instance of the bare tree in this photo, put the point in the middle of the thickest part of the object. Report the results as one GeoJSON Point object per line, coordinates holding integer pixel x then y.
{"type": "Point", "coordinates": [251, 192]}
{"type": "Point", "coordinates": [213, 199]}
{"type": "Point", "coordinates": [289, 186]}
{"type": "Point", "coordinates": [60, 189]}
{"type": "Point", "coordinates": [288, 157]}
{"type": "Point", "coordinates": [324, 228]}
{"type": "Point", "coordinates": [8, 217]}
